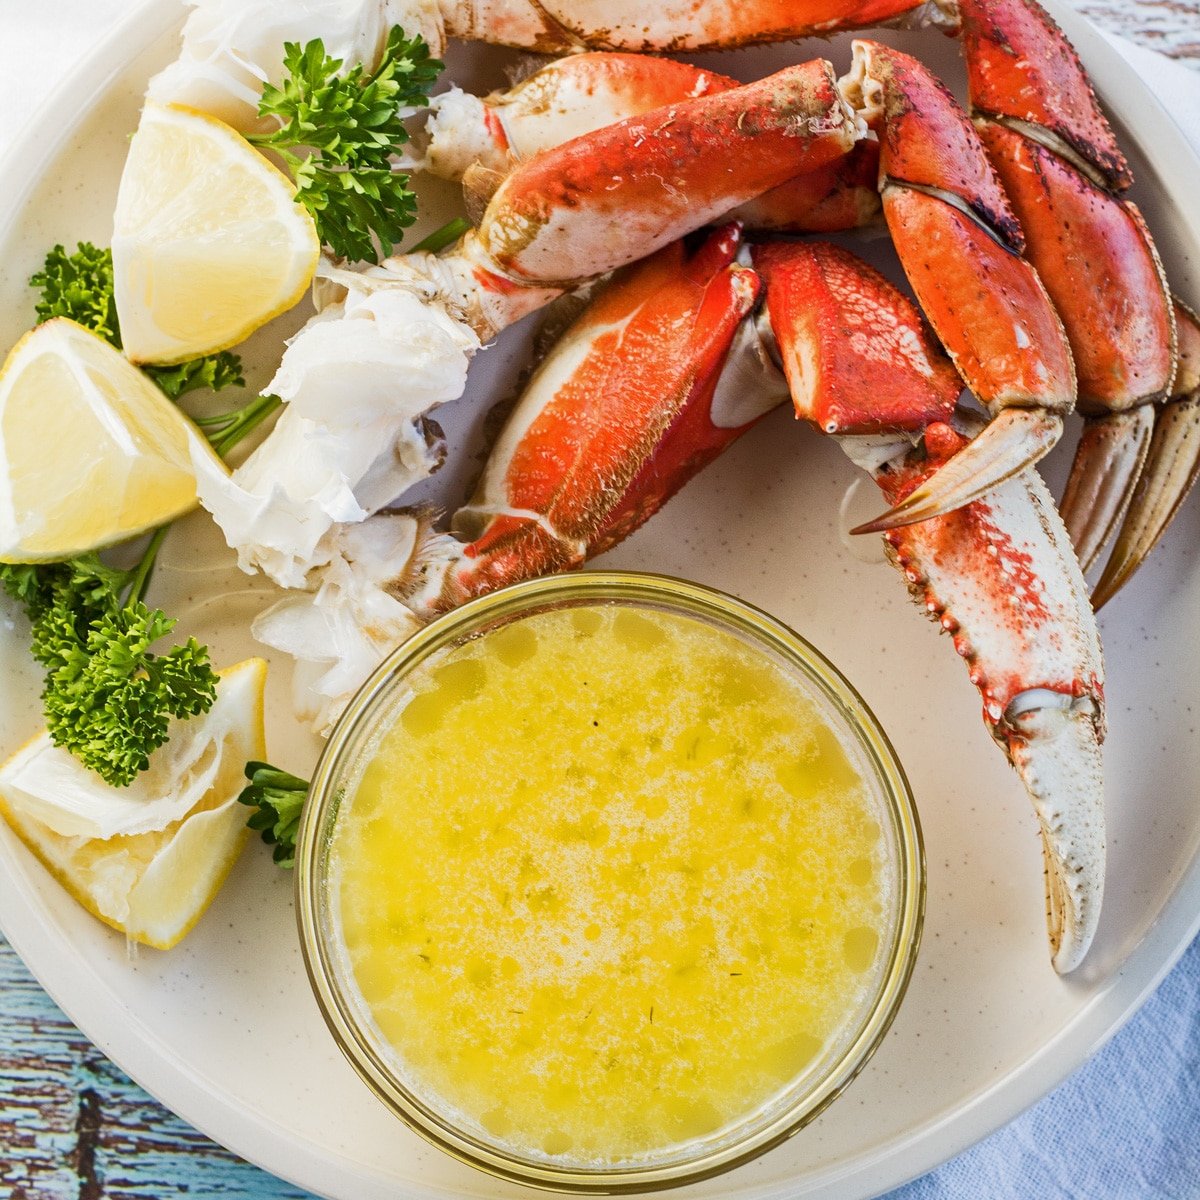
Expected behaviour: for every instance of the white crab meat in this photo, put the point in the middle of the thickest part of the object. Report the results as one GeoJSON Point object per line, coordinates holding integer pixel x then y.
{"type": "Point", "coordinates": [459, 136]}
{"type": "Point", "coordinates": [358, 380]}
{"type": "Point", "coordinates": [339, 633]}
{"type": "Point", "coordinates": [231, 48]}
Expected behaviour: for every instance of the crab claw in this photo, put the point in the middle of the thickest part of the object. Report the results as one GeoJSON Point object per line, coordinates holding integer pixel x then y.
{"type": "Point", "coordinates": [645, 180]}
{"type": "Point", "coordinates": [1065, 175]}
{"type": "Point", "coordinates": [565, 99]}
{"type": "Point", "coordinates": [998, 575]}
{"type": "Point", "coordinates": [620, 415]}
{"type": "Point", "coordinates": [1055, 747]}
{"type": "Point", "coordinates": [1172, 466]}
{"type": "Point", "coordinates": [961, 247]}
{"type": "Point", "coordinates": [1001, 577]}
{"type": "Point", "coordinates": [1017, 438]}
{"type": "Point", "coordinates": [480, 140]}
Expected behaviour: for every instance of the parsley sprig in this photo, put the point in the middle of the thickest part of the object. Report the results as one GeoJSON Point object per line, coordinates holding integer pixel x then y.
{"type": "Point", "coordinates": [79, 286]}
{"type": "Point", "coordinates": [338, 133]}
{"type": "Point", "coordinates": [279, 799]}
{"type": "Point", "coordinates": [107, 696]}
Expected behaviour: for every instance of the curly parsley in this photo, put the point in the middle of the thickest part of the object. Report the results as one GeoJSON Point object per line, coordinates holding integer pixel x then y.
{"type": "Point", "coordinates": [279, 799]}
{"type": "Point", "coordinates": [108, 698]}
{"type": "Point", "coordinates": [337, 135]}
{"type": "Point", "coordinates": [79, 286]}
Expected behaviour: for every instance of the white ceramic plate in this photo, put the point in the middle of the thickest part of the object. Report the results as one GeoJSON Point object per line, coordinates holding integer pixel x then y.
{"type": "Point", "coordinates": [224, 1029]}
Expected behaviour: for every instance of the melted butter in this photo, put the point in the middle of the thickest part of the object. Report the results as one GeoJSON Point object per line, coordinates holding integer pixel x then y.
{"type": "Point", "coordinates": [610, 883]}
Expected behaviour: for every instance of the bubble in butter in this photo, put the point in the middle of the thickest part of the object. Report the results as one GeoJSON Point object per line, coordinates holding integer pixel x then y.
{"type": "Point", "coordinates": [609, 884]}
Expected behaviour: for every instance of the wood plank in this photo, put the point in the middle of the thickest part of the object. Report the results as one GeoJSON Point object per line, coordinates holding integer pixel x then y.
{"type": "Point", "coordinates": [1171, 27]}
{"type": "Point", "coordinates": [73, 1125]}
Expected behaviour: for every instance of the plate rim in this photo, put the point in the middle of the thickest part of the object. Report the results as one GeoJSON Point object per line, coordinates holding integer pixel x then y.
{"type": "Point", "coordinates": [268, 1143]}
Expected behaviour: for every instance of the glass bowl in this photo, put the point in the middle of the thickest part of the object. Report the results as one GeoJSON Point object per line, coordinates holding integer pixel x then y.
{"type": "Point", "coordinates": [352, 745]}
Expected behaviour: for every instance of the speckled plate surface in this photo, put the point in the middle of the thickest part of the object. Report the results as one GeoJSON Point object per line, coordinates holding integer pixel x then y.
{"type": "Point", "coordinates": [224, 1029]}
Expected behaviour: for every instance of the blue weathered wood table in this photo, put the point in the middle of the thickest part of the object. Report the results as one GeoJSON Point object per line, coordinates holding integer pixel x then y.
{"type": "Point", "coordinates": [72, 1126]}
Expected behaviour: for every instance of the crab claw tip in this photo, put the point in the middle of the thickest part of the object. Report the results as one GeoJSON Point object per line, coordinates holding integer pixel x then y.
{"type": "Point", "coordinates": [1016, 439]}
{"type": "Point", "coordinates": [1108, 460]}
{"type": "Point", "coordinates": [1171, 468]}
{"type": "Point", "coordinates": [1056, 751]}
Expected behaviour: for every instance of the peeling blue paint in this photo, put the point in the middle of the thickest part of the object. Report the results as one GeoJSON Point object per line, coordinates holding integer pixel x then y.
{"type": "Point", "coordinates": [74, 1127]}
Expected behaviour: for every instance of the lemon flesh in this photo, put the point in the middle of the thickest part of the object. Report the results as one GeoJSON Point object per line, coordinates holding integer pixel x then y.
{"type": "Point", "coordinates": [91, 452]}
{"type": "Point", "coordinates": [175, 835]}
{"type": "Point", "coordinates": [208, 243]}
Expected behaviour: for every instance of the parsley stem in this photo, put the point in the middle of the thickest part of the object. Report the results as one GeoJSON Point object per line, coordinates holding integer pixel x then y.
{"type": "Point", "coordinates": [439, 239]}
{"type": "Point", "coordinates": [139, 577]}
{"type": "Point", "coordinates": [225, 430]}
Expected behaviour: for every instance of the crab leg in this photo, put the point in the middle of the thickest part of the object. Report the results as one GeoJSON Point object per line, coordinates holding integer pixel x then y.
{"type": "Point", "coordinates": [672, 26]}
{"type": "Point", "coordinates": [1172, 468]}
{"type": "Point", "coordinates": [960, 246]}
{"type": "Point", "coordinates": [999, 574]}
{"type": "Point", "coordinates": [360, 377]}
{"type": "Point", "coordinates": [624, 410]}
{"type": "Point", "coordinates": [480, 140]}
{"type": "Point", "coordinates": [620, 415]}
{"type": "Point", "coordinates": [1065, 175]}
{"type": "Point", "coordinates": [629, 188]}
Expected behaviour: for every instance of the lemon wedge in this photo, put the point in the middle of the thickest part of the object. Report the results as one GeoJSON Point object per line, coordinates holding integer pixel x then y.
{"type": "Point", "coordinates": [147, 859]}
{"type": "Point", "coordinates": [208, 243]}
{"type": "Point", "coordinates": [91, 452]}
